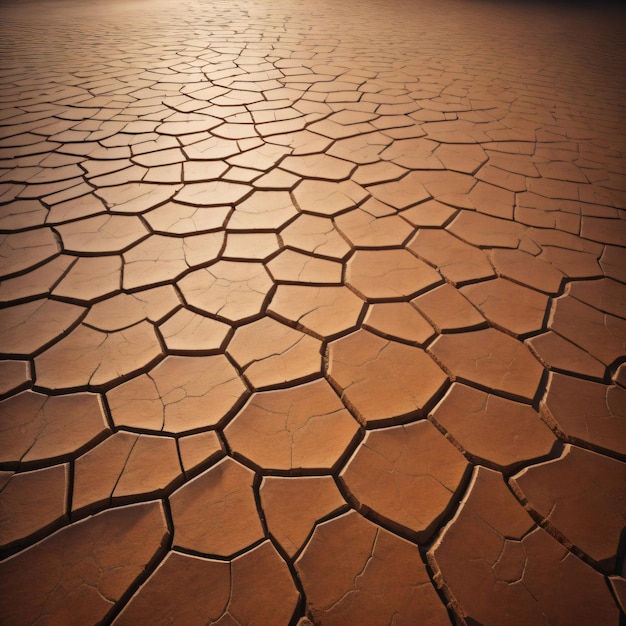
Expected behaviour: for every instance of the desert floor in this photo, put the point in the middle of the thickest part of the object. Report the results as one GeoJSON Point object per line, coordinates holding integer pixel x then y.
{"type": "Point", "coordinates": [312, 313]}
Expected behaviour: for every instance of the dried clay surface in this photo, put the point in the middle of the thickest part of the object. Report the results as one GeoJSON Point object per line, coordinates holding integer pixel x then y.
{"type": "Point", "coordinates": [312, 313]}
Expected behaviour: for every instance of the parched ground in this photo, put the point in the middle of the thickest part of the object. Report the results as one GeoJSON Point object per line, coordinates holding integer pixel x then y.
{"type": "Point", "coordinates": [312, 312]}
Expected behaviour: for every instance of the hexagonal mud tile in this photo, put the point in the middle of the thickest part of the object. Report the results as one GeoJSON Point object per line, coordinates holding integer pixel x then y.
{"type": "Point", "coordinates": [379, 274]}
{"type": "Point", "coordinates": [601, 335]}
{"type": "Point", "coordinates": [416, 153]}
{"type": "Point", "coordinates": [276, 179]}
{"type": "Point", "coordinates": [203, 171]}
{"type": "Point", "coordinates": [32, 502]}
{"type": "Point", "coordinates": [136, 197]}
{"type": "Point", "coordinates": [447, 309]}
{"type": "Point", "coordinates": [14, 376]}
{"type": "Point", "coordinates": [360, 149]}
{"type": "Point", "coordinates": [212, 193]}
{"type": "Point", "coordinates": [491, 359]}
{"type": "Point", "coordinates": [161, 258]}
{"type": "Point", "coordinates": [573, 263]}
{"type": "Point", "coordinates": [272, 353]}
{"type": "Point", "coordinates": [428, 213]}
{"type": "Point", "coordinates": [399, 320]}
{"type": "Point", "coordinates": [319, 166]}
{"type": "Point", "coordinates": [102, 234]}
{"type": "Point", "coordinates": [379, 172]}
{"type": "Point", "coordinates": [495, 298]}
{"type": "Point", "coordinates": [263, 210]}
{"type": "Point", "coordinates": [324, 311]}
{"type": "Point", "coordinates": [493, 200]}
{"type": "Point", "coordinates": [215, 513]}
{"type": "Point", "coordinates": [540, 212]}
{"type": "Point", "coordinates": [302, 142]}
{"type": "Point", "coordinates": [36, 427]}
{"type": "Point", "coordinates": [153, 160]}
{"type": "Point", "coordinates": [91, 278]}
{"type": "Point", "coordinates": [27, 328]}
{"type": "Point", "coordinates": [180, 394]}
{"type": "Point", "coordinates": [37, 282]}
{"type": "Point", "coordinates": [604, 294]}
{"type": "Point", "coordinates": [123, 310]}
{"type": "Point", "coordinates": [363, 230]}
{"type": "Point", "coordinates": [478, 229]}
{"type": "Point", "coordinates": [461, 157]}
{"type": "Point", "coordinates": [527, 269]}
{"type": "Point", "coordinates": [21, 251]}
{"type": "Point", "coordinates": [316, 235]}
{"type": "Point", "coordinates": [452, 188]}
{"type": "Point", "coordinates": [294, 267]}
{"type": "Point", "coordinates": [87, 357]}
{"type": "Point", "coordinates": [124, 465]}
{"type": "Point", "coordinates": [586, 411]}
{"type": "Point", "coordinates": [262, 158]}
{"type": "Point", "coordinates": [603, 230]}
{"type": "Point", "coordinates": [187, 331]}
{"type": "Point", "coordinates": [582, 495]}
{"type": "Point", "coordinates": [492, 557]}
{"type": "Point", "coordinates": [327, 198]}
{"type": "Point", "coordinates": [493, 430]}
{"type": "Point", "coordinates": [456, 260]}
{"type": "Point", "coordinates": [81, 571]}
{"type": "Point", "coordinates": [233, 290]}
{"type": "Point", "coordinates": [250, 246]}
{"type": "Point", "coordinates": [377, 209]}
{"type": "Point", "coordinates": [199, 450]}
{"type": "Point", "coordinates": [212, 149]}
{"type": "Point", "coordinates": [382, 381]}
{"type": "Point", "coordinates": [292, 506]}
{"type": "Point", "coordinates": [405, 477]}
{"type": "Point", "coordinates": [304, 427]}
{"type": "Point", "coordinates": [22, 214]}
{"type": "Point", "coordinates": [402, 193]}
{"type": "Point", "coordinates": [181, 219]}
{"type": "Point", "coordinates": [342, 570]}
{"type": "Point", "coordinates": [562, 355]}
{"type": "Point", "coordinates": [255, 588]}
{"type": "Point", "coordinates": [612, 262]}
{"type": "Point", "coordinates": [85, 204]}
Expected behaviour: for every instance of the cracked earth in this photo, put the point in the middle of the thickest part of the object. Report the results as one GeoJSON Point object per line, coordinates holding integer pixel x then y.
{"type": "Point", "coordinates": [312, 313]}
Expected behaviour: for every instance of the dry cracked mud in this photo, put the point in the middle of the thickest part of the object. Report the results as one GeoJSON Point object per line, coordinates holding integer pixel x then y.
{"type": "Point", "coordinates": [312, 313]}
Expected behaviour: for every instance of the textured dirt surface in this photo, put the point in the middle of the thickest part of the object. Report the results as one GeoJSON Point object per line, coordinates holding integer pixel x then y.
{"type": "Point", "coordinates": [312, 313]}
